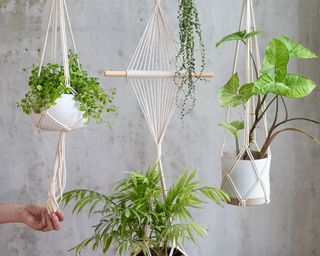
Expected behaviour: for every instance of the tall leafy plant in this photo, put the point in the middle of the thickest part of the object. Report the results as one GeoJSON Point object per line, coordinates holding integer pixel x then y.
{"type": "Point", "coordinates": [272, 86]}
{"type": "Point", "coordinates": [190, 37]}
{"type": "Point", "coordinates": [136, 219]}
{"type": "Point", "coordinates": [45, 89]}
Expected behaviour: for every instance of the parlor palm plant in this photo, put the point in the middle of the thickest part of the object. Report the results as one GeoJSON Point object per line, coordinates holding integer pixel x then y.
{"type": "Point", "coordinates": [136, 219]}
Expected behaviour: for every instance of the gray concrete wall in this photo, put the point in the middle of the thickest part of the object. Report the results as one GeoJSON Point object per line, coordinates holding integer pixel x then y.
{"type": "Point", "coordinates": [107, 33]}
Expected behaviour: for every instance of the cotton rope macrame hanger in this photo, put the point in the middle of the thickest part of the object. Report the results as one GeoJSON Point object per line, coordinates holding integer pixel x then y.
{"type": "Point", "coordinates": [153, 75]}
{"type": "Point", "coordinates": [251, 47]}
{"type": "Point", "coordinates": [58, 20]}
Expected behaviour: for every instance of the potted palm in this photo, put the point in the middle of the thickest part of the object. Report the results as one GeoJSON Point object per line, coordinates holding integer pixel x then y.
{"type": "Point", "coordinates": [136, 219]}
{"type": "Point", "coordinates": [246, 171]}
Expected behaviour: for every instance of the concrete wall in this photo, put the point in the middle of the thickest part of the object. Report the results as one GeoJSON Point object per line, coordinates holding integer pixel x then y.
{"type": "Point", "coordinates": [107, 33]}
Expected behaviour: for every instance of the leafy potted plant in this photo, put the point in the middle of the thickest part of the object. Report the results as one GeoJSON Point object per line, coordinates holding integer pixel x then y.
{"type": "Point", "coordinates": [136, 219]}
{"type": "Point", "coordinates": [71, 106]}
{"type": "Point", "coordinates": [190, 36]}
{"type": "Point", "coordinates": [271, 86]}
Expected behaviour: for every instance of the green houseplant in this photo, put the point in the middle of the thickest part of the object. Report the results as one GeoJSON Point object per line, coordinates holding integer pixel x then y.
{"type": "Point", "coordinates": [246, 170]}
{"type": "Point", "coordinates": [136, 218]}
{"type": "Point", "coordinates": [272, 85]}
{"type": "Point", "coordinates": [45, 89]}
{"type": "Point", "coordinates": [190, 36]}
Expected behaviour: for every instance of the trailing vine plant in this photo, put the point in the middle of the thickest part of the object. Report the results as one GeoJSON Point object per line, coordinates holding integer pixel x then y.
{"type": "Point", "coordinates": [190, 36]}
{"type": "Point", "coordinates": [272, 85]}
{"type": "Point", "coordinates": [45, 89]}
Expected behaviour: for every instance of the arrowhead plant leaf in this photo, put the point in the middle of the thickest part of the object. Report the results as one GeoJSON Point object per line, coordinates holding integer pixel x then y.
{"type": "Point", "coordinates": [296, 50]}
{"type": "Point", "coordinates": [238, 36]}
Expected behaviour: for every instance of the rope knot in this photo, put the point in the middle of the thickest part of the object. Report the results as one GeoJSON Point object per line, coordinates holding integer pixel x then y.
{"type": "Point", "coordinates": [243, 203]}
{"type": "Point", "coordinates": [158, 151]}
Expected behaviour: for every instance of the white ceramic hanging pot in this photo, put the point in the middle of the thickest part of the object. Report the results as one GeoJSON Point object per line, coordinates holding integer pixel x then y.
{"type": "Point", "coordinates": [65, 115]}
{"type": "Point", "coordinates": [244, 178]}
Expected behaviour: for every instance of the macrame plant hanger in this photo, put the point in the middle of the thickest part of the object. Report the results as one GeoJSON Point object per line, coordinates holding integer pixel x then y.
{"type": "Point", "coordinates": [155, 80]}
{"type": "Point", "coordinates": [252, 63]}
{"type": "Point", "coordinates": [59, 21]}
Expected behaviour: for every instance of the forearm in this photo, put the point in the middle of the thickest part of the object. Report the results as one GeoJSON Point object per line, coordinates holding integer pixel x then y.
{"type": "Point", "coordinates": [10, 213]}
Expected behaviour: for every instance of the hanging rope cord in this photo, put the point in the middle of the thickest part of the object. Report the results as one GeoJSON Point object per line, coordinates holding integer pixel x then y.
{"type": "Point", "coordinates": [252, 47]}
{"type": "Point", "coordinates": [57, 19]}
{"type": "Point", "coordinates": [152, 71]}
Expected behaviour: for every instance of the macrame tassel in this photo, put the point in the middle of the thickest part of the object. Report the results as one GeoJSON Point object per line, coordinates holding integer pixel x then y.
{"type": "Point", "coordinates": [57, 181]}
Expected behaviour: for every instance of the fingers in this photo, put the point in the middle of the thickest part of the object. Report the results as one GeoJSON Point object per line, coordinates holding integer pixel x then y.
{"type": "Point", "coordinates": [55, 222]}
{"type": "Point", "coordinates": [60, 215]}
{"type": "Point", "coordinates": [49, 226]}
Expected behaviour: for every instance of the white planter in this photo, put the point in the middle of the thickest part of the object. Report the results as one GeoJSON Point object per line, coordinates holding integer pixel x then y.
{"type": "Point", "coordinates": [244, 178]}
{"type": "Point", "coordinates": [65, 114]}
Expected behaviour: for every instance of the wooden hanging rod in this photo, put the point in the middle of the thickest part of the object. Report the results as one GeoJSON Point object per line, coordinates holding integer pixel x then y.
{"type": "Point", "coordinates": [154, 74]}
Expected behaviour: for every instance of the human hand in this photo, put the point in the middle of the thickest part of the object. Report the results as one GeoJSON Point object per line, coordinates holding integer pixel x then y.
{"type": "Point", "coordinates": [37, 218]}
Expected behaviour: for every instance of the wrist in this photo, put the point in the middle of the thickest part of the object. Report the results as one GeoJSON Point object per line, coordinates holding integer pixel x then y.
{"type": "Point", "coordinates": [19, 213]}
{"type": "Point", "coordinates": [10, 213]}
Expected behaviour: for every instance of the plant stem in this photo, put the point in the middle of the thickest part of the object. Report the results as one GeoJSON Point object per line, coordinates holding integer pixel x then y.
{"type": "Point", "coordinates": [260, 116]}
{"type": "Point", "coordinates": [270, 140]}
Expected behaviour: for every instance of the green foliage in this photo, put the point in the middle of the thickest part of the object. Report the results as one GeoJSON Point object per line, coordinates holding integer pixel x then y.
{"type": "Point", "coordinates": [231, 95]}
{"type": "Point", "coordinates": [273, 80]}
{"type": "Point", "coordinates": [238, 36]}
{"type": "Point", "coordinates": [136, 219]}
{"type": "Point", "coordinates": [45, 89]}
{"type": "Point", "coordinates": [190, 30]}
{"type": "Point", "coordinates": [233, 127]}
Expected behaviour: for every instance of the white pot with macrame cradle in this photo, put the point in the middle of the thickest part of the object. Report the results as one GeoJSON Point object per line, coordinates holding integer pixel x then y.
{"type": "Point", "coordinates": [244, 177]}
{"type": "Point", "coordinates": [65, 115]}
{"type": "Point", "coordinates": [155, 80]}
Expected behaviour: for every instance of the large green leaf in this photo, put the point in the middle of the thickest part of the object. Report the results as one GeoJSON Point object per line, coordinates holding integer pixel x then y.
{"type": "Point", "coordinates": [229, 95]}
{"type": "Point", "coordinates": [234, 127]}
{"type": "Point", "coordinates": [245, 92]}
{"type": "Point", "coordinates": [267, 84]}
{"type": "Point", "coordinates": [300, 86]}
{"type": "Point", "coordinates": [276, 56]}
{"type": "Point", "coordinates": [296, 50]}
{"type": "Point", "coordinates": [240, 35]}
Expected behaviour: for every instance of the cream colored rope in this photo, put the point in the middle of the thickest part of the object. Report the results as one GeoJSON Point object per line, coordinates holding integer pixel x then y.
{"type": "Point", "coordinates": [247, 13]}
{"type": "Point", "coordinates": [151, 72]}
{"type": "Point", "coordinates": [58, 21]}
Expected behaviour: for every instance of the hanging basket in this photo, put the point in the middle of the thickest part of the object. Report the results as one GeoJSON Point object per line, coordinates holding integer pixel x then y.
{"type": "Point", "coordinates": [64, 116]}
{"type": "Point", "coordinates": [242, 180]}
{"type": "Point", "coordinates": [245, 177]}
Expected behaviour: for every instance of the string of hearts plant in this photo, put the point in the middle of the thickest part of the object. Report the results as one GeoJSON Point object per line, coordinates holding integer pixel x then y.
{"type": "Point", "coordinates": [273, 84]}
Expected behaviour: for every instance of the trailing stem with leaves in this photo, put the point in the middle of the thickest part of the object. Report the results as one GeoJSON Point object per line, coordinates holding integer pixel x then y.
{"type": "Point", "coordinates": [273, 84]}
{"type": "Point", "coordinates": [46, 88]}
{"type": "Point", "coordinates": [136, 219]}
{"type": "Point", "coordinates": [191, 41]}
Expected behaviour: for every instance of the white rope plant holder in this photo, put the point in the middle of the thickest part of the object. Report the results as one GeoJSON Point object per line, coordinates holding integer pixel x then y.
{"type": "Point", "coordinates": [243, 198]}
{"type": "Point", "coordinates": [59, 21]}
{"type": "Point", "coordinates": [154, 78]}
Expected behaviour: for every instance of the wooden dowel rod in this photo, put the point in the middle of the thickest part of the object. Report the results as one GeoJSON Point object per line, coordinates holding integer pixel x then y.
{"type": "Point", "coordinates": [155, 74]}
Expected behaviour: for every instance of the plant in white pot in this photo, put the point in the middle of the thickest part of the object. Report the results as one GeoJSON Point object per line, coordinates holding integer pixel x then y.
{"type": "Point", "coordinates": [136, 219]}
{"type": "Point", "coordinates": [62, 97]}
{"type": "Point", "coordinates": [246, 169]}
{"type": "Point", "coordinates": [69, 106]}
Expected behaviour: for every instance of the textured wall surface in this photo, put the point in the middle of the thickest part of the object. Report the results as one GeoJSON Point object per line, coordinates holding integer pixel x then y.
{"type": "Point", "coordinates": [107, 33]}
